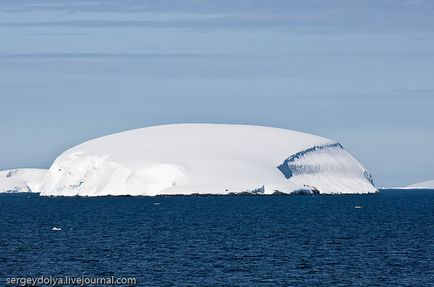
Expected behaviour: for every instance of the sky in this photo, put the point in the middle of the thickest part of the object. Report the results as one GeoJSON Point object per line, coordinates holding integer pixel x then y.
{"type": "Point", "coordinates": [359, 72]}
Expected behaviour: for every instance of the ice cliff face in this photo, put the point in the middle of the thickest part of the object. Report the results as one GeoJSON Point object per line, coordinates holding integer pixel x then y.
{"type": "Point", "coordinates": [21, 180]}
{"type": "Point", "coordinates": [206, 159]}
{"type": "Point", "coordinates": [326, 167]}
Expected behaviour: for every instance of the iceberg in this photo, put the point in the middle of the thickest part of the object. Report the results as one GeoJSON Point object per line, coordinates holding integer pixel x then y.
{"type": "Point", "coordinates": [206, 159]}
{"type": "Point", "coordinates": [21, 180]}
{"type": "Point", "coordinates": [422, 185]}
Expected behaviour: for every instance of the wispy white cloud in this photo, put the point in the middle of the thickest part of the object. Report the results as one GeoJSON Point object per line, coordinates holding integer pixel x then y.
{"type": "Point", "coordinates": [310, 15]}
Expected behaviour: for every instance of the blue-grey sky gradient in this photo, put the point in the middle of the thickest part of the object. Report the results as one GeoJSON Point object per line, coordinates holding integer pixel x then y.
{"type": "Point", "coordinates": [360, 72]}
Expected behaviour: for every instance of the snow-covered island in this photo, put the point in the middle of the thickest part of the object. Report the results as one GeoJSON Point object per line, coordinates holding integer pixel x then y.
{"type": "Point", "coordinates": [422, 185]}
{"type": "Point", "coordinates": [21, 180]}
{"type": "Point", "coordinates": [206, 159]}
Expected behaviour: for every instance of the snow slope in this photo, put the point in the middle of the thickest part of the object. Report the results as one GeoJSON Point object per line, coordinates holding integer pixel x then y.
{"type": "Point", "coordinates": [425, 184]}
{"type": "Point", "coordinates": [205, 159]}
{"type": "Point", "coordinates": [21, 180]}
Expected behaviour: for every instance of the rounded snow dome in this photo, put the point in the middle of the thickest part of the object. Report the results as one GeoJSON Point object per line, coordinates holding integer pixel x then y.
{"type": "Point", "coordinates": [206, 159]}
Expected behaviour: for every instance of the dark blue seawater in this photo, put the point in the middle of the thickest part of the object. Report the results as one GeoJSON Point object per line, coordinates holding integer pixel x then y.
{"type": "Point", "coordinates": [223, 241]}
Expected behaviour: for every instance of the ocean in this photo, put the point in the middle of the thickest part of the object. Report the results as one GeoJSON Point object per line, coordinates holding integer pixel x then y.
{"type": "Point", "coordinates": [385, 239]}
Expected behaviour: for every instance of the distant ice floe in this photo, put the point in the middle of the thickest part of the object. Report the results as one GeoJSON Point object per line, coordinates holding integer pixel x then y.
{"type": "Point", "coordinates": [206, 159]}
{"type": "Point", "coordinates": [21, 180]}
{"type": "Point", "coordinates": [423, 185]}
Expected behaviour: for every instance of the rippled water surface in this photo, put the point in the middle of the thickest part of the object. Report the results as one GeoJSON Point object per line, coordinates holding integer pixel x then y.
{"type": "Point", "coordinates": [223, 241]}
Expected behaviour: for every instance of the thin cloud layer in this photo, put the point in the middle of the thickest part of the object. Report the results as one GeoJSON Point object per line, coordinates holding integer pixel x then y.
{"type": "Point", "coordinates": [305, 16]}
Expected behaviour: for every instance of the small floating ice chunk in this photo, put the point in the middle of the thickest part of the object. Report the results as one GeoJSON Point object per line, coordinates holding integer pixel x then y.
{"type": "Point", "coordinates": [156, 203]}
{"type": "Point", "coordinates": [56, 229]}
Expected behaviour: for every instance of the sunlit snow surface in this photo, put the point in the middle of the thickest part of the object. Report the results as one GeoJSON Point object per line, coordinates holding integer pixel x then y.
{"type": "Point", "coordinates": [21, 180]}
{"type": "Point", "coordinates": [205, 159]}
